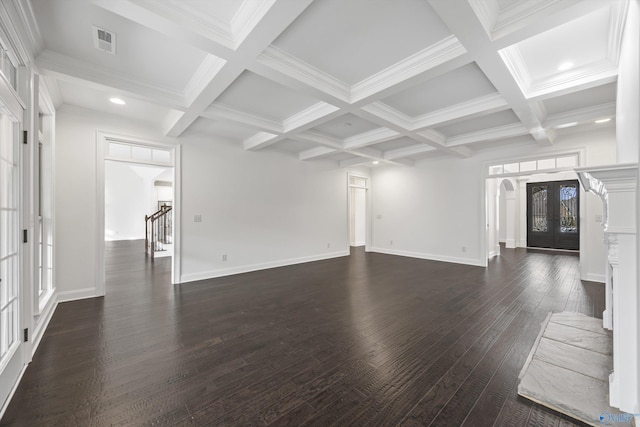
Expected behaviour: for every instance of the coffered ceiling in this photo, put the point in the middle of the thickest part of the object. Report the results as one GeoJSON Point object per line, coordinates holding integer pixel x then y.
{"type": "Point", "coordinates": [353, 81]}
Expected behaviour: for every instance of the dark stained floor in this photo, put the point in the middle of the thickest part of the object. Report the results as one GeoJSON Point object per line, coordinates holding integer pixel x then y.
{"type": "Point", "coordinates": [369, 339]}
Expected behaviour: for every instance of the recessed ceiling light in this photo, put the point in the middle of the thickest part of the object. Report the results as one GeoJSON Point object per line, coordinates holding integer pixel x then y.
{"type": "Point", "coordinates": [375, 162]}
{"type": "Point", "coordinates": [117, 101]}
{"type": "Point", "coordinates": [567, 125]}
{"type": "Point", "coordinates": [565, 66]}
{"type": "Point", "coordinates": [608, 119]}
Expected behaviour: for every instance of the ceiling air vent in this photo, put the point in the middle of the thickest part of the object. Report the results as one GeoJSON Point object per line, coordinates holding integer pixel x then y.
{"type": "Point", "coordinates": [104, 40]}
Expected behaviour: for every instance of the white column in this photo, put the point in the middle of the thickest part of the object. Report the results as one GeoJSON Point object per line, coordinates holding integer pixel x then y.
{"type": "Point", "coordinates": [511, 219]}
{"type": "Point", "coordinates": [616, 186]}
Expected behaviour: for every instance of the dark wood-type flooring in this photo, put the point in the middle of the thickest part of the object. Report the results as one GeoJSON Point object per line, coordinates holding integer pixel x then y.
{"type": "Point", "coordinates": [369, 339]}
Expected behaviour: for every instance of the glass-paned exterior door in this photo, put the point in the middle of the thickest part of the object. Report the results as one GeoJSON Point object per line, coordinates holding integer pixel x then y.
{"type": "Point", "coordinates": [10, 340]}
{"type": "Point", "coordinates": [553, 215]}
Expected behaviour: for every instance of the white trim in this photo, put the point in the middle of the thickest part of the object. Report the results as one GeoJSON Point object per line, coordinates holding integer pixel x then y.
{"type": "Point", "coordinates": [438, 53]}
{"type": "Point", "coordinates": [77, 294]}
{"type": "Point", "coordinates": [102, 139]}
{"type": "Point", "coordinates": [43, 321]}
{"type": "Point", "coordinates": [430, 257]}
{"type": "Point", "coordinates": [13, 390]}
{"type": "Point", "coordinates": [212, 274]}
{"type": "Point", "coordinates": [591, 277]}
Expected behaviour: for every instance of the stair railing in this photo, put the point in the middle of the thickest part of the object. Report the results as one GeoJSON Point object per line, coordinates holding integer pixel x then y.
{"type": "Point", "coordinates": [158, 230]}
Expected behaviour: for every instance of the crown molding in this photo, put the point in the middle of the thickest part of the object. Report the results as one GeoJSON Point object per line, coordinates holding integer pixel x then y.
{"type": "Point", "coordinates": [581, 115]}
{"type": "Point", "coordinates": [318, 111]}
{"type": "Point", "coordinates": [475, 107]}
{"type": "Point", "coordinates": [516, 65]}
{"type": "Point", "coordinates": [602, 71]}
{"type": "Point", "coordinates": [389, 114]}
{"type": "Point", "coordinates": [247, 18]}
{"type": "Point", "coordinates": [520, 14]}
{"type": "Point", "coordinates": [617, 19]}
{"type": "Point", "coordinates": [499, 132]}
{"type": "Point", "coordinates": [374, 136]}
{"type": "Point", "coordinates": [14, 32]}
{"type": "Point", "coordinates": [66, 67]}
{"type": "Point", "coordinates": [443, 51]}
{"type": "Point", "coordinates": [407, 151]}
{"type": "Point", "coordinates": [259, 140]}
{"type": "Point", "coordinates": [30, 25]}
{"type": "Point", "coordinates": [218, 111]}
{"type": "Point", "coordinates": [433, 136]}
{"type": "Point", "coordinates": [206, 72]}
{"type": "Point", "coordinates": [185, 16]}
{"type": "Point", "coordinates": [319, 138]}
{"type": "Point", "coordinates": [316, 152]}
{"type": "Point", "coordinates": [487, 12]}
{"type": "Point", "coordinates": [281, 61]}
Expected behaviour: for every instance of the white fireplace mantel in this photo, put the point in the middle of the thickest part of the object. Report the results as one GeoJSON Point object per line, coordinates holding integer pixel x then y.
{"type": "Point", "coordinates": [617, 187]}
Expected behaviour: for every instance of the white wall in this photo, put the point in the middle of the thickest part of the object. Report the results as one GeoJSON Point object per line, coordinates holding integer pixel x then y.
{"type": "Point", "coordinates": [260, 209]}
{"type": "Point", "coordinates": [75, 194]}
{"type": "Point", "coordinates": [436, 209]}
{"type": "Point", "coordinates": [127, 199]}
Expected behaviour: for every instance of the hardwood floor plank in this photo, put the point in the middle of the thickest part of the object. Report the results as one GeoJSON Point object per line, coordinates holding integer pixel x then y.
{"type": "Point", "coordinates": [369, 339]}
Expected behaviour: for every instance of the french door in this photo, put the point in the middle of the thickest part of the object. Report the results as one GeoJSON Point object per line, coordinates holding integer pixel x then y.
{"type": "Point", "coordinates": [553, 215]}
{"type": "Point", "coordinates": [11, 358]}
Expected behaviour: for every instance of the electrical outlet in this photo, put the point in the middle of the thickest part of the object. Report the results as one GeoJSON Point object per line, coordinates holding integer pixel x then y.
{"type": "Point", "coordinates": [379, 216]}
{"type": "Point", "coordinates": [464, 249]}
{"type": "Point", "coordinates": [598, 218]}
{"type": "Point", "coordinates": [197, 218]}
{"type": "Point", "coordinates": [224, 257]}
{"type": "Point", "coordinates": [391, 242]}
{"type": "Point", "coordinates": [328, 245]}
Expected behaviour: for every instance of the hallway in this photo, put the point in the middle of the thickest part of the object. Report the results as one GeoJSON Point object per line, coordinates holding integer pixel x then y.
{"type": "Point", "coordinates": [369, 339]}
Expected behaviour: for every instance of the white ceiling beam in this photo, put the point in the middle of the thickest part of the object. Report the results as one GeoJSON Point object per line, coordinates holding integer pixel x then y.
{"type": "Point", "coordinates": [371, 137]}
{"type": "Point", "coordinates": [174, 26]}
{"type": "Point", "coordinates": [254, 40]}
{"type": "Point", "coordinates": [64, 67]}
{"type": "Point", "coordinates": [582, 115]}
{"type": "Point", "coordinates": [462, 20]}
{"type": "Point", "coordinates": [318, 138]}
{"type": "Point", "coordinates": [316, 152]}
{"type": "Point", "coordinates": [473, 108]}
{"type": "Point", "coordinates": [491, 134]}
{"type": "Point", "coordinates": [259, 140]}
{"type": "Point", "coordinates": [437, 54]}
{"type": "Point", "coordinates": [407, 151]}
{"type": "Point", "coordinates": [218, 111]}
{"type": "Point", "coordinates": [311, 117]}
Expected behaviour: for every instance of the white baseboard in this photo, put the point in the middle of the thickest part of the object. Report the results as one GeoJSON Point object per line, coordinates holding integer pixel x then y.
{"type": "Point", "coordinates": [510, 243]}
{"type": "Point", "coordinates": [192, 277]}
{"type": "Point", "coordinates": [492, 254]}
{"type": "Point", "coordinates": [43, 322]}
{"type": "Point", "coordinates": [431, 257]}
{"type": "Point", "coordinates": [83, 293]}
{"type": "Point", "coordinates": [590, 277]}
{"type": "Point", "coordinates": [13, 391]}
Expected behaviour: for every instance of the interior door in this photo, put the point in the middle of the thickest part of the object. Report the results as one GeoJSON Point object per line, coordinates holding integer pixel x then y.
{"type": "Point", "coordinates": [11, 359]}
{"type": "Point", "coordinates": [553, 215]}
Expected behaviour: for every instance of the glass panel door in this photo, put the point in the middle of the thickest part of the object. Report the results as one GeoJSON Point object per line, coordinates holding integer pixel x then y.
{"type": "Point", "coordinates": [10, 340]}
{"type": "Point", "coordinates": [553, 215]}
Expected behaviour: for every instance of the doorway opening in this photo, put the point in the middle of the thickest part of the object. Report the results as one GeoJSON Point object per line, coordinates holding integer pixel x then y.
{"type": "Point", "coordinates": [358, 186]}
{"type": "Point", "coordinates": [138, 201]}
{"type": "Point", "coordinates": [553, 219]}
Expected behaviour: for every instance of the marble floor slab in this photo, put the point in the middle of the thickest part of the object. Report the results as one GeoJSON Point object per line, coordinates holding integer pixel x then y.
{"type": "Point", "coordinates": [568, 368]}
